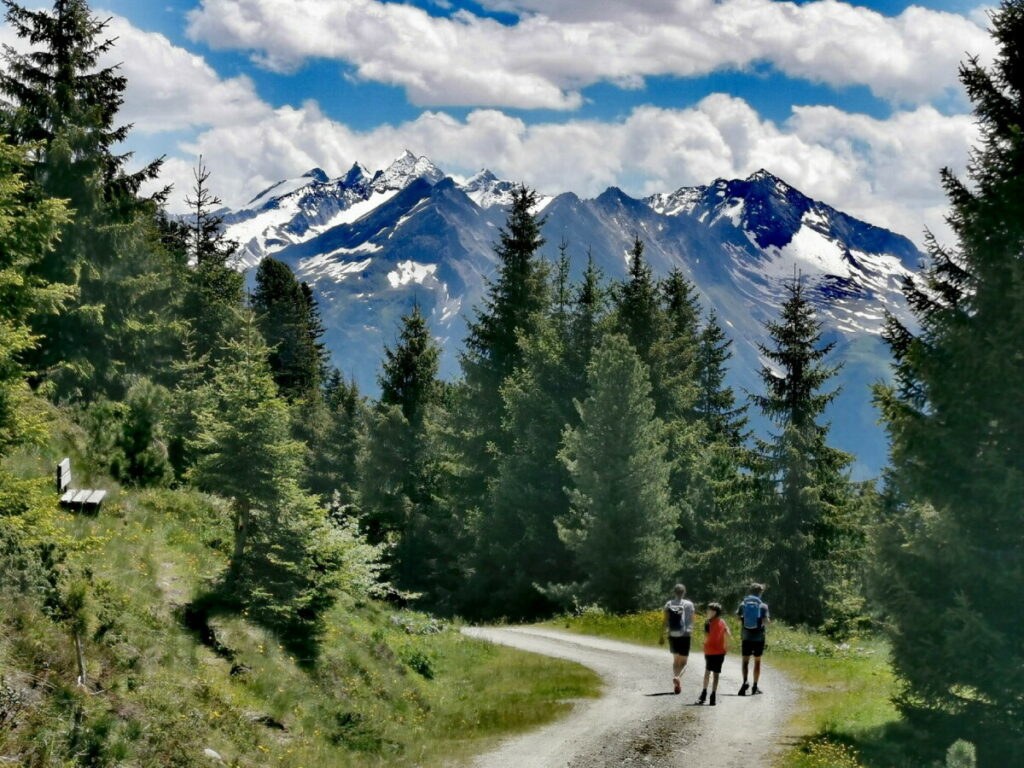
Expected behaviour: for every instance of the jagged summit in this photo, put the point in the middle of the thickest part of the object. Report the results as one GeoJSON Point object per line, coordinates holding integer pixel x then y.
{"type": "Point", "coordinates": [317, 174]}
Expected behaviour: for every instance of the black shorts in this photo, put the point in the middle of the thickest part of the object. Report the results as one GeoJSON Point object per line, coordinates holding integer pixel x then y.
{"type": "Point", "coordinates": [753, 647]}
{"type": "Point", "coordinates": [680, 646]}
{"type": "Point", "coordinates": [713, 661]}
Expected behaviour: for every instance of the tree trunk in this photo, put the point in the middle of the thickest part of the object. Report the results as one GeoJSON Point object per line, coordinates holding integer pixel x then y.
{"type": "Point", "coordinates": [80, 656]}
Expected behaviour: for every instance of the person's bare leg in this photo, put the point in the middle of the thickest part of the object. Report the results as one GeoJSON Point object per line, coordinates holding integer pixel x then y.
{"type": "Point", "coordinates": [757, 672]}
{"type": "Point", "coordinates": [704, 691]}
{"type": "Point", "coordinates": [714, 688]}
{"type": "Point", "coordinates": [746, 668]}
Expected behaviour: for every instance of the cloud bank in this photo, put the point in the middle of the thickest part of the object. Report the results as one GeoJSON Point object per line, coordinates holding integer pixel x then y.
{"type": "Point", "coordinates": [559, 47]}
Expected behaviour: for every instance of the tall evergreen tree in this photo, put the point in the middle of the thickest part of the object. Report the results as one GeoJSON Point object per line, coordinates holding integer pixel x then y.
{"type": "Point", "coordinates": [333, 435]}
{"type": "Point", "coordinates": [804, 493]}
{"type": "Point", "coordinates": [284, 314]}
{"type": "Point", "coordinates": [717, 549]}
{"type": "Point", "coordinates": [512, 308]}
{"type": "Point", "coordinates": [622, 525]}
{"type": "Point", "coordinates": [58, 96]}
{"type": "Point", "coordinates": [405, 497]}
{"type": "Point", "coordinates": [409, 380]}
{"type": "Point", "coordinates": [284, 561]}
{"type": "Point", "coordinates": [639, 316]}
{"type": "Point", "coordinates": [715, 403]}
{"type": "Point", "coordinates": [29, 229]}
{"type": "Point", "coordinates": [951, 552]}
{"type": "Point", "coordinates": [214, 286]}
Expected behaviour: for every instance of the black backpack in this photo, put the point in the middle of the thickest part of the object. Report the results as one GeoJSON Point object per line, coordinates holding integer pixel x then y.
{"type": "Point", "coordinates": [675, 618]}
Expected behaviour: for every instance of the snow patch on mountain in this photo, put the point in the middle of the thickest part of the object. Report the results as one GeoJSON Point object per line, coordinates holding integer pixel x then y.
{"type": "Point", "coordinates": [407, 272]}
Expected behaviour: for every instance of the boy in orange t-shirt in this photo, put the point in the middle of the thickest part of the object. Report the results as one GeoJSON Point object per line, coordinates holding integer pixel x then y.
{"type": "Point", "coordinates": [715, 647]}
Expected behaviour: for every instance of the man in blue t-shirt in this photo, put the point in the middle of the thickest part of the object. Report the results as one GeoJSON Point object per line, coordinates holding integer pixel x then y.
{"type": "Point", "coordinates": [754, 618]}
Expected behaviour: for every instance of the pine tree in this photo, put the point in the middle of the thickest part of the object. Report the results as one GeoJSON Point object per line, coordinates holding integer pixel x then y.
{"type": "Point", "coordinates": [60, 98]}
{"type": "Point", "coordinates": [622, 525]}
{"type": "Point", "coordinates": [214, 287]}
{"type": "Point", "coordinates": [410, 372]}
{"type": "Point", "coordinates": [717, 556]}
{"type": "Point", "coordinates": [29, 229]}
{"type": "Point", "coordinates": [639, 316]}
{"type": "Point", "coordinates": [715, 403]}
{"type": "Point", "coordinates": [405, 497]}
{"type": "Point", "coordinates": [804, 493]}
{"type": "Point", "coordinates": [285, 313]}
{"type": "Point", "coordinates": [950, 552]}
{"type": "Point", "coordinates": [284, 561]}
{"type": "Point", "coordinates": [511, 310]}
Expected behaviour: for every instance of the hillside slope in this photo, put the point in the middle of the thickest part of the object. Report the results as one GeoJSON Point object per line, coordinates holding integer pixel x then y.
{"type": "Point", "coordinates": [389, 687]}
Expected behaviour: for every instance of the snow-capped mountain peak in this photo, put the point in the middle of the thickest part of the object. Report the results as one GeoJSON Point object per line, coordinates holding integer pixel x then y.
{"type": "Point", "coordinates": [487, 190]}
{"type": "Point", "coordinates": [405, 169]}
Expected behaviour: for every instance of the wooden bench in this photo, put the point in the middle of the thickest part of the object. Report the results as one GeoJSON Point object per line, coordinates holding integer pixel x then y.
{"type": "Point", "coordinates": [81, 499]}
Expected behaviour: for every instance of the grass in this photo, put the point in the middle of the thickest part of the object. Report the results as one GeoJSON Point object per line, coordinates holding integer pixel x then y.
{"type": "Point", "coordinates": [845, 718]}
{"type": "Point", "coordinates": [390, 687]}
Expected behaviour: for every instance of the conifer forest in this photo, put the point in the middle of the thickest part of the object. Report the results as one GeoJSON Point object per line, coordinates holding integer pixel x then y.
{"type": "Point", "coordinates": [590, 453]}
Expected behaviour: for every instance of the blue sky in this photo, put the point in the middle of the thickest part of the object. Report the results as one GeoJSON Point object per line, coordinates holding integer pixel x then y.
{"type": "Point", "coordinates": [856, 104]}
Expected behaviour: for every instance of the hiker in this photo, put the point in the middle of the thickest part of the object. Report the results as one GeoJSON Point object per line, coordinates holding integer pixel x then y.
{"type": "Point", "coordinates": [715, 647]}
{"type": "Point", "coordinates": [679, 626]}
{"type": "Point", "coordinates": [754, 616]}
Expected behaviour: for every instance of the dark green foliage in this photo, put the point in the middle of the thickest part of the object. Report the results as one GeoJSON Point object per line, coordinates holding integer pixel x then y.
{"type": "Point", "coordinates": [59, 97]}
{"type": "Point", "coordinates": [406, 498]}
{"type": "Point", "coordinates": [333, 443]}
{"type": "Point", "coordinates": [951, 554]}
{"type": "Point", "coordinates": [639, 316]}
{"type": "Point", "coordinates": [143, 456]}
{"type": "Point", "coordinates": [284, 561]}
{"type": "Point", "coordinates": [718, 551]}
{"type": "Point", "coordinates": [214, 291]}
{"type": "Point", "coordinates": [715, 403]}
{"type": "Point", "coordinates": [512, 308]}
{"type": "Point", "coordinates": [409, 379]}
{"type": "Point", "coordinates": [29, 229]}
{"type": "Point", "coordinates": [289, 321]}
{"type": "Point", "coordinates": [803, 494]}
{"type": "Point", "coordinates": [622, 525]}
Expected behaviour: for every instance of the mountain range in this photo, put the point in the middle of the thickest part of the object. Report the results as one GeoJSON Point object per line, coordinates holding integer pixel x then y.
{"type": "Point", "coordinates": [370, 244]}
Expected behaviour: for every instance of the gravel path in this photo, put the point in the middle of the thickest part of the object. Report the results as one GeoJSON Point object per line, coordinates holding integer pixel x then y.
{"type": "Point", "coordinates": [637, 721]}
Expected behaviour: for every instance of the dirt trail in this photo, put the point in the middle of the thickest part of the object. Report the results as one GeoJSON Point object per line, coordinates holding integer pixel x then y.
{"type": "Point", "coordinates": [637, 721]}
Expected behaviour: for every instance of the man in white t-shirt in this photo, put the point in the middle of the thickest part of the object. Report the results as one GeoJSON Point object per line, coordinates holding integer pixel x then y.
{"type": "Point", "coordinates": [678, 626]}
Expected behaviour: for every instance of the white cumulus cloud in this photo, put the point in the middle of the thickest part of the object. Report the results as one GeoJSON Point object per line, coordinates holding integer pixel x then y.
{"type": "Point", "coordinates": [557, 48]}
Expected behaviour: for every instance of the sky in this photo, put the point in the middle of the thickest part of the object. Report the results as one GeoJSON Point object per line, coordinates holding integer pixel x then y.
{"type": "Point", "coordinates": [855, 104]}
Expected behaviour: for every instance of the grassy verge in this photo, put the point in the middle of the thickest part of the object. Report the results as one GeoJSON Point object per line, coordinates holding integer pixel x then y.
{"type": "Point", "coordinates": [846, 718]}
{"type": "Point", "coordinates": [389, 688]}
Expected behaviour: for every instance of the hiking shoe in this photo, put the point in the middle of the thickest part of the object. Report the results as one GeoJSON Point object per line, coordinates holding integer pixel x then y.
{"type": "Point", "coordinates": [711, 703]}
{"type": "Point", "coordinates": [755, 690]}
{"type": "Point", "coordinates": [676, 687]}
{"type": "Point", "coordinates": [702, 698]}
{"type": "Point", "coordinates": [743, 689]}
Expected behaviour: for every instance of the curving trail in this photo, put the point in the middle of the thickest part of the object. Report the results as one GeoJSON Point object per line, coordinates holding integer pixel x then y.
{"type": "Point", "coordinates": [637, 720]}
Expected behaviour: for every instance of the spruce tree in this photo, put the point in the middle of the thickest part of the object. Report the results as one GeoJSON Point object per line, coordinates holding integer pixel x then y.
{"type": "Point", "coordinates": [29, 229]}
{"type": "Point", "coordinates": [59, 97]}
{"type": "Point", "coordinates": [214, 287]}
{"type": "Point", "coordinates": [622, 525]}
{"type": "Point", "coordinates": [951, 570]}
{"type": "Point", "coordinates": [715, 404]}
{"type": "Point", "coordinates": [409, 379]}
{"type": "Point", "coordinates": [285, 313]}
{"type": "Point", "coordinates": [284, 562]}
{"type": "Point", "coordinates": [639, 316]}
{"type": "Point", "coordinates": [721, 490]}
{"type": "Point", "coordinates": [519, 552]}
{"type": "Point", "coordinates": [511, 309]}
{"type": "Point", "coordinates": [804, 493]}
{"type": "Point", "coordinates": [405, 497]}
